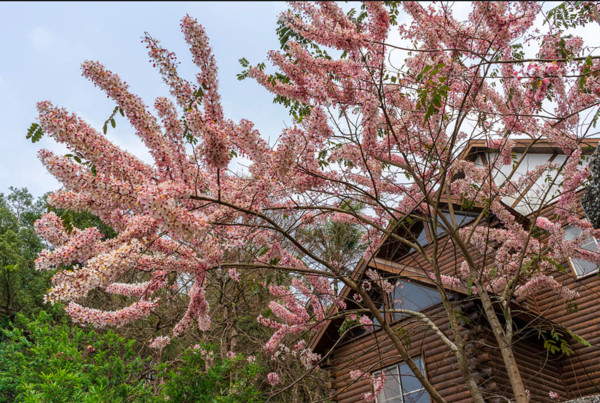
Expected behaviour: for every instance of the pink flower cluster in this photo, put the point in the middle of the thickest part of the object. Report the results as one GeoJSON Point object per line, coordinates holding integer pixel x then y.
{"type": "Point", "coordinates": [50, 227]}
{"type": "Point", "coordinates": [99, 318]}
{"type": "Point", "coordinates": [160, 342]}
{"type": "Point", "coordinates": [356, 374]}
{"type": "Point", "coordinates": [78, 249]}
{"type": "Point", "coordinates": [273, 378]}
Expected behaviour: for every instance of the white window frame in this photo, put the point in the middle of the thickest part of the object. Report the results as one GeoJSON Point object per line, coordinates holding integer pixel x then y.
{"type": "Point", "coordinates": [591, 244]}
{"type": "Point", "coordinates": [400, 399]}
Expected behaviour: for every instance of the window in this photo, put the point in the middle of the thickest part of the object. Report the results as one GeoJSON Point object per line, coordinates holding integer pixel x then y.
{"type": "Point", "coordinates": [460, 217]}
{"type": "Point", "coordinates": [401, 386]}
{"type": "Point", "coordinates": [582, 267]}
{"type": "Point", "coordinates": [421, 238]}
{"type": "Point", "coordinates": [414, 297]}
{"type": "Point", "coordinates": [422, 235]}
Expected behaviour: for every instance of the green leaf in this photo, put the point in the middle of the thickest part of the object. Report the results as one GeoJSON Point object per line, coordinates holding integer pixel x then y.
{"type": "Point", "coordinates": [244, 62]}
{"type": "Point", "coordinates": [579, 339]}
{"type": "Point", "coordinates": [263, 251]}
{"type": "Point", "coordinates": [430, 111]}
{"type": "Point", "coordinates": [35, 133]}
{"type": "Point", "coordinates": [31, 130]}
{"type": "Point", "coordinates": [112, 123]}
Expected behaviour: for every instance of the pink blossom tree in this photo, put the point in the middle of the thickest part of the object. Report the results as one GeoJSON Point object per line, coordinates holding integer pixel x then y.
{"type": "Point", "coordinates": [368, 130]}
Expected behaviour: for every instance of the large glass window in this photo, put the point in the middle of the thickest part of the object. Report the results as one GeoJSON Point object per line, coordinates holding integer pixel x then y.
{"type": "Point", "coordinates": [582, 267]}
{"type": "Point", "coordinates": [401, 386]}
{"type": "Point", "coordinates": [420, 234]}
{"type": "Point", "coordinates": [414, 297]}
{"type": "Point", "coordinates": [460, 217]}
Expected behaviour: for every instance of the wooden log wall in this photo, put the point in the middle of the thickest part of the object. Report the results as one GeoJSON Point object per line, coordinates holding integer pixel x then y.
{"type": "Point", "coordinates": [374, 351]}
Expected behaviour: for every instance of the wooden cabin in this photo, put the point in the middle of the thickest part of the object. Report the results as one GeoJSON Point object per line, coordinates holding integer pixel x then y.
{"type": "Point", "coordinates": [541, 321]}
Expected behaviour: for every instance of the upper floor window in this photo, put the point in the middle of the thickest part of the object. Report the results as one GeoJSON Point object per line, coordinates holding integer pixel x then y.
{"type": "Point", "coordinates": [422, 235]}
{"type": "Point", "coordinates": [460, 217]}
{"type": "Point", "coordinates": [414, 297]}
{"type": "Point", "coordinates": [401, 386]}
{"type": "Point", "coordinates": [581, 266]}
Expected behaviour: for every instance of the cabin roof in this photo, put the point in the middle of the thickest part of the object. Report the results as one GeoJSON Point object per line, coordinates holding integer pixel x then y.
{"type": "Point", "coordinates": [475, 148]}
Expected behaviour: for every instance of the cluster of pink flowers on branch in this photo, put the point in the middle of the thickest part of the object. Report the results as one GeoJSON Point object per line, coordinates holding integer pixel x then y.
{"type": "Point", "coordinates": [160, 342]}
{"type": "Point", "coordinates": [99, 318]}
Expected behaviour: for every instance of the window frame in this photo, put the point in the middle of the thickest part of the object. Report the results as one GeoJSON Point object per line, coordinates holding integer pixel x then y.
{"type": "Point", "coordinates": [429, 237]}
{"type": "Point", "coordinates": [397, 365]}
{"type": "Point", "coordinates": [395, 317]}
{"type": "Point", "coordinates": [573, 261]}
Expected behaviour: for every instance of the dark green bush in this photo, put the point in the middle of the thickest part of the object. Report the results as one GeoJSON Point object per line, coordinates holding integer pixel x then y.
{"type": "Point", "coordinates": [204, 377]}
{"type": "Point", "coordinates": [57, 362]}
{"type": "Point", "coordinates": [42, 360]}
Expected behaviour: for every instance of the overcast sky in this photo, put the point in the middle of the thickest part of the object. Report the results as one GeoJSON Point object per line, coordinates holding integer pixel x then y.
{"type": "Point", "coordinates": [42, 46]}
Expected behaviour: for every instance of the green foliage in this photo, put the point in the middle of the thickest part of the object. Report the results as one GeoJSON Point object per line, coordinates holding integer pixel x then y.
{"type": "Point", "coordinates": [556, 344]}
{"type": "Point", "coordinates": [111, 119]}
{"type": "Point", "coordinates": [50, 361]}
{"type": "Point", "coordinates": [393, 10]}
{"type": "Point", "coordinates": [45, 360]}
{"type": "Point", "coordinates": [572, 14]}
{"type": "Point", "coordinates": [34, 133]}
{"type": "Point", "coordinates": [41, 360]}
{"type": "Point", "coordinates": [204, 377]}
{"type": "Point", "coordinates": [348, 324]}
{"type": "Point", "coordinates": [434, 91]}
{"type": "Point", "coordinates": [336, 241]}
{"type": "Point", "coordinates": [21, 286]}
{"type": "Point", "coordinates": [82, 220]}
{"type": "Point", "coordinates": [80, 159]}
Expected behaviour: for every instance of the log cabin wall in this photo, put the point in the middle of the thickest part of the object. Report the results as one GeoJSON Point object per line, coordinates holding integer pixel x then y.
{"type": "Point", "coordinates": [374, 351]}
{"type": "Point", "coordinates": [581, 370]}
{"type": "Point", "coordinates": [570, 376]}
{"type": "Point", "coordinates": [541, 371]}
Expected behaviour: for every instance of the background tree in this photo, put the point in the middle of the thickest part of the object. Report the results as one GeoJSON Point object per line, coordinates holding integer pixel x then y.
{"type": "Point", "coordinates": [21, 287]}
{"type": "Point", "coordinates": [366, 132]}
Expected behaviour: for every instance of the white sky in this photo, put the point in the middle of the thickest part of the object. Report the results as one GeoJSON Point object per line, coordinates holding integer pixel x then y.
{"type": "Point", "coordinates": [42, 46]}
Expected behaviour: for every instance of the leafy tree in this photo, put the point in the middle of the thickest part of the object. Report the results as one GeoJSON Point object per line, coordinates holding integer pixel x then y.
{"type": "Point", "coordinates": [22, 288]}
{"type": "Point", "coordinates": [367, 131]}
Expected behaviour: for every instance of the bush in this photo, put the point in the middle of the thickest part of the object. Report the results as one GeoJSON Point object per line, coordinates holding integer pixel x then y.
{"type": "Point", "coordinates": [203, 377]}
{"type": "Point", "coordinates": [49, 361]}
{"type": "Point", "coordinates": [55, 362]}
